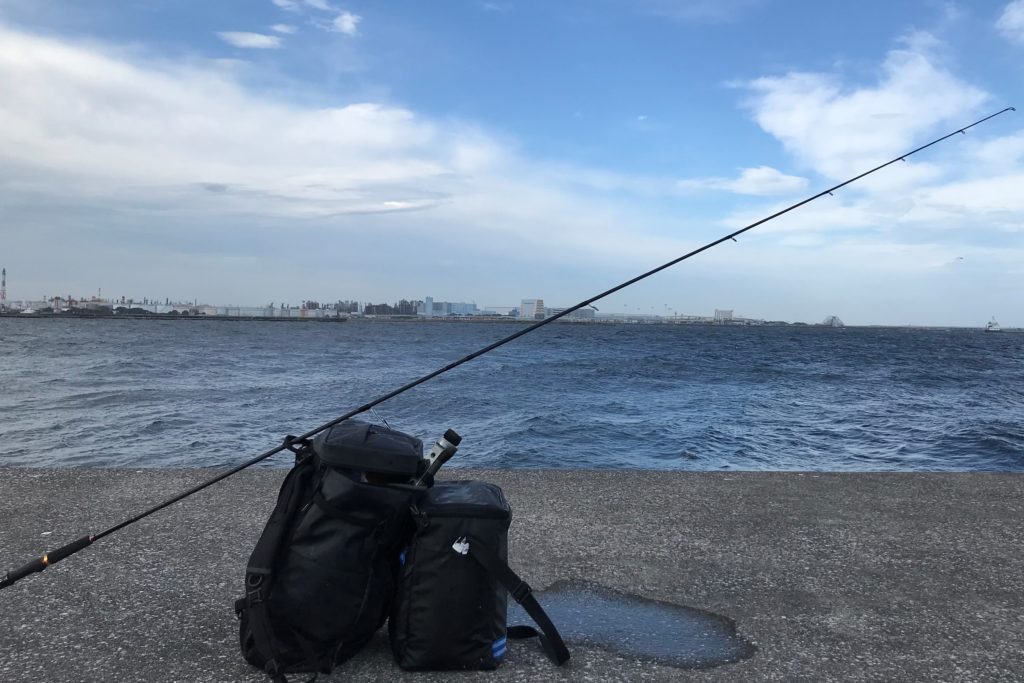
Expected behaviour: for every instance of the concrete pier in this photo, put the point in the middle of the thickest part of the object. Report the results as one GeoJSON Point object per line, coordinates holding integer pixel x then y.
{"type": "Point", "coordinates": [834, 577]}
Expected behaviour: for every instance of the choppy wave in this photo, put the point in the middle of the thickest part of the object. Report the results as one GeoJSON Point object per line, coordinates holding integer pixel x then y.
{"type": "Point", "coordinates": [165, 394]}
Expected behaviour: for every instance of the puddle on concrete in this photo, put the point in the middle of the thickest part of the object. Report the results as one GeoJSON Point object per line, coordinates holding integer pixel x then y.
{"type": "Point", "coordinates": [631, 626]}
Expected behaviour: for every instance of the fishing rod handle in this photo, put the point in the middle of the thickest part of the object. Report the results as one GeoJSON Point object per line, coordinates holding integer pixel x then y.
{"type": "Point", "coordinates": [45, 561]}
{"type": "Point", "coordinates": [441, 453]}
{"type": "Point", "coordinates": [435, 465]}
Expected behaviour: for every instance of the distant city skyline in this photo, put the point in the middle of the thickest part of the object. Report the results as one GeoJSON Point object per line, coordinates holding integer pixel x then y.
{"type": "Point", "coordinates": [262, 150]}
{"type": "Point", "coordinates": [526, 309]}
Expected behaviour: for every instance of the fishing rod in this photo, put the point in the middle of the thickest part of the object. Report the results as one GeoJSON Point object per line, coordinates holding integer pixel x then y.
{"type": "Point", "coordinates": [289, 443]}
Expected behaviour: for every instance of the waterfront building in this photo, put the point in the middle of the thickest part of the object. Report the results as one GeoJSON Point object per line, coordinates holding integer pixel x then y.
{"type": "Point", "coordinates": [378, 309]}
{"type": "Point", "coordinates": [346, 306]}
{"type": "Point", "coordinates": [437, 309]}
{"type": "Point", "coordinates": [500, 310]}
{"type": "Point", "coordinates": [461, 308]}
{"type": "Point", "coordinates": [580, 314]}
{"type": "Point", "coordinates": [531, 309]}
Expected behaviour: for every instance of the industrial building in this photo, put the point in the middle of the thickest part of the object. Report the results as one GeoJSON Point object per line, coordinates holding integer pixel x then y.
{"type": "Point", "coordinates": [439, 309]}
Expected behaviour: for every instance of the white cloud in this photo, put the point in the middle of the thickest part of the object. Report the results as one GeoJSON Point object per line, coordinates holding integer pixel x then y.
{"type": "Point", "coordinates": [696, 10]}
{"type": "Point", "coordinates": [204, 128]}
{"type": "Point", "coordinates": [958, 212]}
{"type": "Point", "coordinates": [762, 180]}
{"type": "Point", "coordinates": [184, 141]}
{"type": "Point", "coordinates": [346, 23]}
{"type": "Point", "coordinates": [244, 39]}
{"type": "Point", "coordinates": [837, 130]}
{"type": "Point", "coordinates": [1011, 22]}
{"type": "Point", "coordinates": [298, 5]}
{"type": "Point", "coordinates": [1005, 151]}
{"type": "Point", "coordinates": [996, 199]}
{"type": "Point", "coordinates": [283, 28]}
{"type": "Point", "coordinates": [604, 181]}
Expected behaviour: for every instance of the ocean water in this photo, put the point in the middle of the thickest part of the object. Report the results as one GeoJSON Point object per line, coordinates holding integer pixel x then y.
{"type": "Point", "coordinates": [151, 393]}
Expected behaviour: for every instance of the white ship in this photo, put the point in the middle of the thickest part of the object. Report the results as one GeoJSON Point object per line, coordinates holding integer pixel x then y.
{"type": "Point", "coordinates": [992, 326]}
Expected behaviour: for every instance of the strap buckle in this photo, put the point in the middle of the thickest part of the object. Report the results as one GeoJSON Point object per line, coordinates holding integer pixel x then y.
{"type": "Point", "coordinates": [253, 589]}
{"type": "Point", "coordinates": [522, 591]}
{"type": "Point", "coordinates": [300, 447]}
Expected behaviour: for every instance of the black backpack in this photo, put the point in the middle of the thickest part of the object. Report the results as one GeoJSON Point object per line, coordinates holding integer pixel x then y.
{"type": "Point", "coordinates": [322, 577]}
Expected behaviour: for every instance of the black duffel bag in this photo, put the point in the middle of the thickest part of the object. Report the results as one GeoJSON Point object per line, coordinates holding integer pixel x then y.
{"type": "Point", "coordinates": [322, 577]}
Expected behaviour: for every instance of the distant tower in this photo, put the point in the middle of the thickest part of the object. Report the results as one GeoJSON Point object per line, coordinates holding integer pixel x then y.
{"type": "Point", "coordinates": [3, 289]}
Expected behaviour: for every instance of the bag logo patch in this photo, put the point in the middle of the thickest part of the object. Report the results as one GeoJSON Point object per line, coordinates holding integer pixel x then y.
{"type": "Point", "coordinates": [461, 546]}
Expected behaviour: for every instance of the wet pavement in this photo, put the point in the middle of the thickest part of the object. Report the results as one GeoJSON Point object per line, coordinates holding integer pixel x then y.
{"type": "Point", "coordinates": [845, 577]}
{"type": "Point", "coordinates": [634, 627]}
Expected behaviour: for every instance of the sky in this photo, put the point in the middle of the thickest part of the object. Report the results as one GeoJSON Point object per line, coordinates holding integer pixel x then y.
{"type": "Point", "coordinates": [253, 151]}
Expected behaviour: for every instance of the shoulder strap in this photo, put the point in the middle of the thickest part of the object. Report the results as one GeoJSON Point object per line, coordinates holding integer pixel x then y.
{"type": "Point", "coordinates": [259, 571]}
{"type": "Point", "coordinates": [261, 561]}
{"type": "Point", "coordinates": [551, 641]}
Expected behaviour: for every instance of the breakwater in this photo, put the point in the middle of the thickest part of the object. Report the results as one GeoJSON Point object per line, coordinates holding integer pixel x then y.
{"type": "Point", "coordinates": [164, 316]}
{"type": "Point", "coordinates": [852, 577]}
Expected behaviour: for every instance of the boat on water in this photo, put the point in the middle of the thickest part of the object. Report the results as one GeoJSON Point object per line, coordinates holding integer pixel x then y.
{"type": "Point", "coordinates": [992, 326]}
